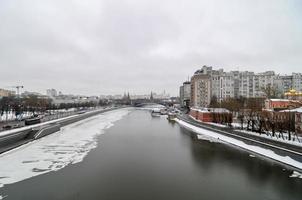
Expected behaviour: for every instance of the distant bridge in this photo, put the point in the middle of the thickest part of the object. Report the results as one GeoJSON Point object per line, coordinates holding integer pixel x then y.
{"type": "Point", "coordinates": [147, 102]}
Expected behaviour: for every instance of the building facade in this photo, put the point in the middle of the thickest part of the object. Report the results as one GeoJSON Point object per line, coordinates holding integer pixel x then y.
{"type": "Point", "coordinates": [200, 90]}
{"type": "Point", "coordinates": [187, 93]}
{"type": "Point", "coordinates": [51, 92]}
{"type": "Point", "coordinates": [236, 84]}
{"type": "Point", "coordinates": [6, 93]}
{"type": "Point", "coordinates": [181, 95]}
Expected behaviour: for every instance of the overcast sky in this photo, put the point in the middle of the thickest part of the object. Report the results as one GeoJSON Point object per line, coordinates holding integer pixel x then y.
{"type": "Point", "coordinates": [97, 47]}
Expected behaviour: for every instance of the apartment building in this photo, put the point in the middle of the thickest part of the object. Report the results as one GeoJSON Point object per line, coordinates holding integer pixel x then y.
{"type": "Point", "coordinates": [297, 81]}
{"type": "Point", "coordinates": [235, 84]}
{"type": "Point", "coordinates": [200, 90]}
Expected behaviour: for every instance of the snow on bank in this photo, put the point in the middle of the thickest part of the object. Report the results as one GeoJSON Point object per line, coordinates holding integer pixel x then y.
{"type": "Point", "coordinates": [262, 151]}
{"type": "Point", "coordinates": [56, 151]}
{"type": "Point", "coordinates": [286, 141]}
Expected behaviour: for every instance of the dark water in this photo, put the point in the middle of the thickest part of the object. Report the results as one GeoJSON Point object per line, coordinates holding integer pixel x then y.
{"type": "Point", "coordinates": [148, 158]}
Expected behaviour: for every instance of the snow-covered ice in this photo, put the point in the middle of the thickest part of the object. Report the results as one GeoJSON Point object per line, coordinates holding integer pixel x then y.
{"type": "Point", "coordinates": [256, 149]}
{"type": "Point", "coordinates": [56, 151]}
{"type": "Point", "coordinates": [295, 175]}
{"type": "Point", "coordinates": [2, 197]}
{"type": "Point", "coordinates": [209, 138]}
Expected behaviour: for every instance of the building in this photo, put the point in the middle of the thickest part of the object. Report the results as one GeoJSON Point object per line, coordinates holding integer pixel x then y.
{"type": "Point", "coordinates": [277, 104]}
{"type": "Point", "coordinates": [227, 90]}
{"type": "Point", "coordinates": [6, 93]}
{"type": "Point", "coordinates": [187, 93]}
{"type": "Point", "coordinates": [293, 95]}
{"type": "Point", "coordinates": [261, 82]}
{"type": "Point", "coordinates": [237, 84]}
{"type": "Point", "coordinates": [181, 95]}
{"type": "Point", "coordinates": [51, 93]}
{"type": "Point", "coordinates": [283, 83]}
{"type": "Point", "coordinates": [297, 81]}
{"type": "Point", "coordinates": [200, 90]}
{"type": "Point", "coordinates": [208, 114]}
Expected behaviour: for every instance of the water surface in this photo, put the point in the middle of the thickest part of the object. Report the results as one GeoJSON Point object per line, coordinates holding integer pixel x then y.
{"type": "Point", "coordinates": [141, 157]}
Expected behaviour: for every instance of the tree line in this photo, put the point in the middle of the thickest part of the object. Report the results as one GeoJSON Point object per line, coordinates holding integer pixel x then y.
{"type": "Point", "coordinates": [34, 104]}
{"type": "Point", "coordinates": [251, 116]}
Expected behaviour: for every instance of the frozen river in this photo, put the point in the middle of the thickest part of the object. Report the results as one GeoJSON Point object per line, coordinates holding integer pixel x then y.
{"type": "Point", "coordinates": [127, 154]}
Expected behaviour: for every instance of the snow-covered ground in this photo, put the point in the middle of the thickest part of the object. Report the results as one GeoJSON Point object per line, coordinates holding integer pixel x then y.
{"type": "Point", "coordinates": [256, 149]}
{"type": "Point", "coordinates": [11, 115]}
{"type": "Point", "coordinates": [2, 133]}
{"type": "Point", "coordinates": [297, 140]}
{"type": "Point", "coordinates": [56, 151]}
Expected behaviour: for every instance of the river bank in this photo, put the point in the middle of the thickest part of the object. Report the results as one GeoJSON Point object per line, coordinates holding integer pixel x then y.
{"type": "Point", "coordinates": [285, 154]}
{"type": "Point", "coordinates": [14, 138]}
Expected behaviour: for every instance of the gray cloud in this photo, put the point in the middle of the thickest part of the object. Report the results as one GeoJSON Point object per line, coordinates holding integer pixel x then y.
{"type": "Point", "coordinates": [95, 47]}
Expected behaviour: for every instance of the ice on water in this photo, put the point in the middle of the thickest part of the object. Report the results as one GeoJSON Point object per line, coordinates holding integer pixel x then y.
{"type": "Point", "coordinates": [56, 151]}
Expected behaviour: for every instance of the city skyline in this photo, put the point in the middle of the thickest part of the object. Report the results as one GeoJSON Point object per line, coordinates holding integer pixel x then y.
{"type": "Point", "coordinates": [108, 47]}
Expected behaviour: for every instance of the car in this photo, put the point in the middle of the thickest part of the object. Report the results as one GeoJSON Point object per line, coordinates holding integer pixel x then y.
{"type": "Point", "coordinates": [7, 127]}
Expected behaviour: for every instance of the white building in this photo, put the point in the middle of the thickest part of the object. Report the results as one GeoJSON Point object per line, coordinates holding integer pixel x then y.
{"type": "Point", "coordinates": [297, 81]}
{"type": "Point", "coordinates": [235, 84]}
{"type": "Point", "coordinates": [51, 92]}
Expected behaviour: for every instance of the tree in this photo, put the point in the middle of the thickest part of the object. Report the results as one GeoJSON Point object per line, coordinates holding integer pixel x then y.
{"type": "Point", "coordinates": [270, 91]}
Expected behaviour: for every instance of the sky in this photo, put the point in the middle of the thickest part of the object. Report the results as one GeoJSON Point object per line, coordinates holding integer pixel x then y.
{"type": "Point", "coordinates": [95, 47]}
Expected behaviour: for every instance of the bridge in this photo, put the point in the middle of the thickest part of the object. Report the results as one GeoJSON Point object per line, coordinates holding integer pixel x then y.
{"type": "Point", "coordinates": [148, 102]}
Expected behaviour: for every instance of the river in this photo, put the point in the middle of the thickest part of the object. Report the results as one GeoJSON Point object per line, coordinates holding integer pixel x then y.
{"type": "Point", "coordinates": [127, 154]}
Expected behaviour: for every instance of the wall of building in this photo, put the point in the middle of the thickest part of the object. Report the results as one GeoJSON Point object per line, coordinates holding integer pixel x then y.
{"type": "Point", "coordinates": [6, 93]}
{"type": "Point", "coordinates": [200, 90]}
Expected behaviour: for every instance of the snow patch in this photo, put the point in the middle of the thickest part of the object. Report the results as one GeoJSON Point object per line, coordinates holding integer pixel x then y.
{"type": "Point", "coordinates": [295, 175]}
{"type": "Point", "coordinates": [256, 149]}
{"type": "Point", "coordinates": [208, 138]}
{"type": "Point", "coordinates": [56, 151]}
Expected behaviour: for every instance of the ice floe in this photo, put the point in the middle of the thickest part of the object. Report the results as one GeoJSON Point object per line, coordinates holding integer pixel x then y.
{"type": "Point", "coordinates": [56, 151]}
{"type": "Point", "coordinates": [295, 175]}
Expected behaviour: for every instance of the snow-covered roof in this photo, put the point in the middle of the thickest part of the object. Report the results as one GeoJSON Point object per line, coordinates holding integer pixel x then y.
{"type": "Point", "coordinates": [293, 110]}
{"type": "Point", "coordinates": [285, 100]}
{"type": "Point", "coordinates": [217, 110]}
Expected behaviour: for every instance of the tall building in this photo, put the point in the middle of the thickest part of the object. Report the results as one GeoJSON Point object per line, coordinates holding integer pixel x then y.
{"type": "Point", "coordinates": [297, 81]}
{"type": "Point", "coordinates": [185, 94]}
{"type": "Point", "coordinates": [51, 92]}
{"type": "Point", "coordinates": [236, 84]}
{"type": "Point", "coordinates": [283, 83]}
{"type": "Point", "coordinates": [200, 90]}
{"type": "Point", "coordinates": [181, 95]}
